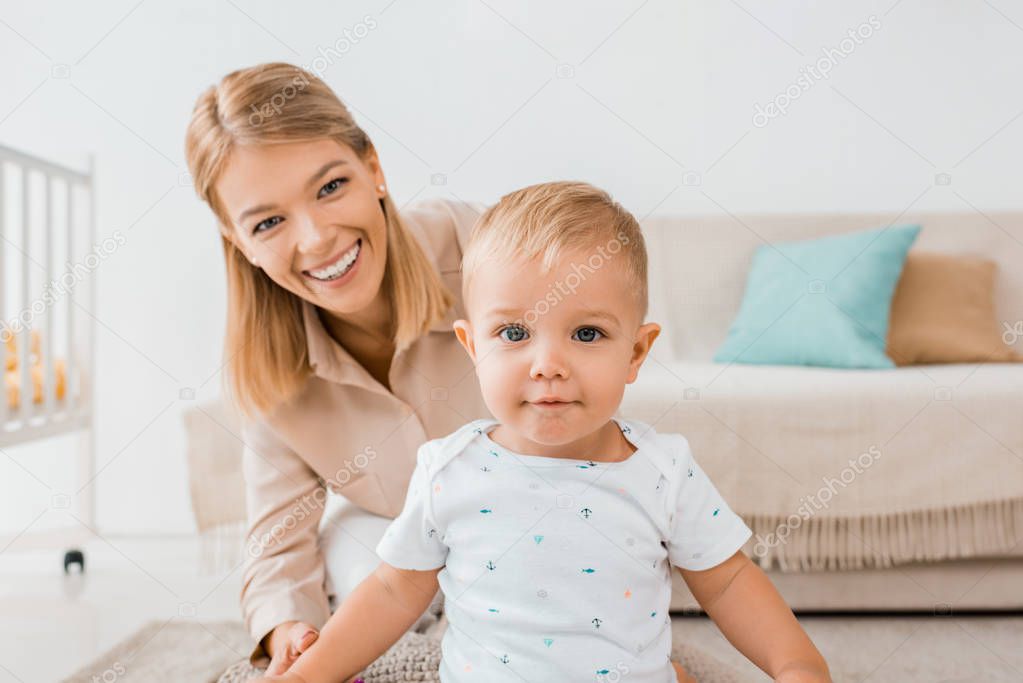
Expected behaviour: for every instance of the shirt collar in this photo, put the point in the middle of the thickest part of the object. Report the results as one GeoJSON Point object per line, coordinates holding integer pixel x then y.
{"type": "Point", "coordinates": [326, 356]}
{"type": "Point", "coordinates": [331, 360]}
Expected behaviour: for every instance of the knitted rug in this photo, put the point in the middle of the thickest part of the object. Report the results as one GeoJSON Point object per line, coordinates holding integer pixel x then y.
{"type": "Point", "coordinates": [416, 657]}
{"type": "Point", "coordinates": [217, 652]}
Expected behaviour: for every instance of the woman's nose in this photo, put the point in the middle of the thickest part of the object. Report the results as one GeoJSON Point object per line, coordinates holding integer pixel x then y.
{"type": "Point", "coordinates": [312, 235]}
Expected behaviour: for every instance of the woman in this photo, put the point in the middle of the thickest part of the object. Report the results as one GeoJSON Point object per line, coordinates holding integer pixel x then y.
{"type": "Point", "coordinates": [341, 353]}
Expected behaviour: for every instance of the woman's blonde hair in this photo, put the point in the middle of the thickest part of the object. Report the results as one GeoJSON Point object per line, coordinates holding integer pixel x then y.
{"type": "Point", "coordinates": [265, 344]}
{"type": "Point", "coordinates": [549, 220]}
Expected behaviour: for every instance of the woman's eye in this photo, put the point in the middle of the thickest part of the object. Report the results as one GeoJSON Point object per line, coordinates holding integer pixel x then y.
{"type": "Point", "coordinates": [332, 186]}
{"type": "Point", "coordinates": [517, 333]}
{"type": "Point", "coordinates": [266, 224]}
{"type": "Point", "coordinates": [588, 334]}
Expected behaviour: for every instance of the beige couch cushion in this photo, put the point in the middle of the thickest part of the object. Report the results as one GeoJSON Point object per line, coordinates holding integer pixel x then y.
{"type": "Point", "coordinates": [937, 449]}
{"type": "Point", "coordinates": [215, 464]}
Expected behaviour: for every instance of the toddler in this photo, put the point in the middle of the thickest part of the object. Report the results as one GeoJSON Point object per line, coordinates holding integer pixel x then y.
{"type": "Point", "coordinates": [553, 530]}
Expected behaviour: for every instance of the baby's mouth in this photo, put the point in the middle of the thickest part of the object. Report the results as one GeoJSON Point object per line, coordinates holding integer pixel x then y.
{"type": "Point", "coordinates": [552, 404]}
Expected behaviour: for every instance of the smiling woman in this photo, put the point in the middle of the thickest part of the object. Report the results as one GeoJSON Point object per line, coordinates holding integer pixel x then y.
{"type": "Point", "coordinates": [339, 342]}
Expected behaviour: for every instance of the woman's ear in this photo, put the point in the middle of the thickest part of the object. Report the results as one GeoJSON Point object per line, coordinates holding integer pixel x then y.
{"type": "Point", "coordinates": [463, 330]}
{"type": "Point", "coordinates": [376, 171]}
{"type": "Point", "coordinates": [232, 237]}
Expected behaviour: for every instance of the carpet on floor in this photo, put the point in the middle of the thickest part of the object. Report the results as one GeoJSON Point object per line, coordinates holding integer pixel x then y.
{"type": "Point", "coordinates": [208, 652]}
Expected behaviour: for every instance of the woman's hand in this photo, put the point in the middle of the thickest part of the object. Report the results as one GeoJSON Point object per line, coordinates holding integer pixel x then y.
{"type": "Point", "coordinates": [285, 643]}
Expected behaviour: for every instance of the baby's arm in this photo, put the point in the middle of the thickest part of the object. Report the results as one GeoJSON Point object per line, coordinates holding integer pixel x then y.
{"type": "Point", "coordinates": [371, 619]}
{"type": "Point", "coordinates": [747, 608]}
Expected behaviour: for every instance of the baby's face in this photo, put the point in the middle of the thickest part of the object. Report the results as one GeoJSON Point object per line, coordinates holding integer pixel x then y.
{"type": "Point", "coordinates": [553, 352]}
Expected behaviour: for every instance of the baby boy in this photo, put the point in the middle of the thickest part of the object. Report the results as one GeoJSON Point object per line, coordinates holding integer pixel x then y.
{"type": "Point", "coordinates": [553, 529]}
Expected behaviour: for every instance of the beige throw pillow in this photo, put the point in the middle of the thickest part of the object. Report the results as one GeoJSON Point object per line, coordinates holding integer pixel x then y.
{"type": "Point", "coordinates": [943, 312]}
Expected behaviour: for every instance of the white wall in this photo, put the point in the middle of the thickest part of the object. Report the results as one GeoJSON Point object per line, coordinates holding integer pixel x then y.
{"type": "Point", "coordinates": [647, 92]}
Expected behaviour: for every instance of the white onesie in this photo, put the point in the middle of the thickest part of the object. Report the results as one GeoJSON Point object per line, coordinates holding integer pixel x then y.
{"type": "Point", "coordinates": [558, 569]}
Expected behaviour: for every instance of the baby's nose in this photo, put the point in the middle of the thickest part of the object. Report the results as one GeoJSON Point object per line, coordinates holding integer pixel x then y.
{"type": "Point", "coordinates": [549, 363]}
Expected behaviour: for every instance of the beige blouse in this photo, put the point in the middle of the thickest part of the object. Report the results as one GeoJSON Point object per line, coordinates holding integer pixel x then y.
{"type": "Point", "coordinates": [345, 431]}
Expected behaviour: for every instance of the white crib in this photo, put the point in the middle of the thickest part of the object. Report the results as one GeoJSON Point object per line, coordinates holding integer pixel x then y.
{"type": "Point", "coordinates": [47, 332]}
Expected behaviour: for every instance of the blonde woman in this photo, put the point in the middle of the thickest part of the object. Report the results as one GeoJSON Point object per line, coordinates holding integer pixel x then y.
{"type": "Point", "coordinates": [340, 349]}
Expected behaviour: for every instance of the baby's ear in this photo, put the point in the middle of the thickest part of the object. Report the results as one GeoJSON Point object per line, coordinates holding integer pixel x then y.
{"type": "Point", "coordinates": [463, 330]}
{"type": "Point", "coordinates": [645, 337]}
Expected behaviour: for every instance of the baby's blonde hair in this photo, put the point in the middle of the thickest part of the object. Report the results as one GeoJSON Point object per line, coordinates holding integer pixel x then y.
{"type": "Point", "coordinates": [550, 219]}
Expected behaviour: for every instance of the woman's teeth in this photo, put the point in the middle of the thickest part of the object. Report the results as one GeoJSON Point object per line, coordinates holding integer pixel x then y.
{"type": "Point", "coordinates": [340, 267]}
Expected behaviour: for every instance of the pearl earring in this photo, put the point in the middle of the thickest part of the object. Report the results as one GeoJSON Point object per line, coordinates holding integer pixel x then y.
{"type": "Point", "coordinates": [381, 188]}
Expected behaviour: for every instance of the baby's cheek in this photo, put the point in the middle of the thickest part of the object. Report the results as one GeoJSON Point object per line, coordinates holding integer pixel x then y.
{"type": "Point", "coordinates": [500, 392]}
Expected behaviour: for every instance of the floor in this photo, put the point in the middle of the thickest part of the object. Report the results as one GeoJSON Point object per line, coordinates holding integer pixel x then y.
{"type": "Point", "coordinates": [892, 649]}
{"type": "Point", "coordinates": [50, 625]}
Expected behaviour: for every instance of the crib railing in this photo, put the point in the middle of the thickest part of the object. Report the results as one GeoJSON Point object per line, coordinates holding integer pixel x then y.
{"type": "Point", "coordinates": [46, 212]}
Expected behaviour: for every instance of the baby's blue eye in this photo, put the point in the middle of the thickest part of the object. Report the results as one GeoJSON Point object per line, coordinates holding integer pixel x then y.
{"type": "Point", "coordinates": [518, 333]}
{"type": "Point", "coordinates": [588, 334]}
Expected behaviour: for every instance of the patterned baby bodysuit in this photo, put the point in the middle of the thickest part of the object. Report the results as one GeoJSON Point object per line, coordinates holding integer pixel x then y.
{"type": "Point", "coordinates": [559, 569]}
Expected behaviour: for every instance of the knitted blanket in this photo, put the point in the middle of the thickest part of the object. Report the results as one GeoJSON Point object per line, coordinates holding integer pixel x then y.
{"type": "Point", "coordinates": [416, 657]}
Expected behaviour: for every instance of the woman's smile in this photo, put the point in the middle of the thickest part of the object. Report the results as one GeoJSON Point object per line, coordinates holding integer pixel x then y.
{"type": "Point", "coordinates": [338, 270]}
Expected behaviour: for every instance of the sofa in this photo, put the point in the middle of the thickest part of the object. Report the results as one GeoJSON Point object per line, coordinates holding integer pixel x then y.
{"type": "Point", "coordinates": [895, 489]}
{"type": "Point", "coordinates": [867, 490]}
